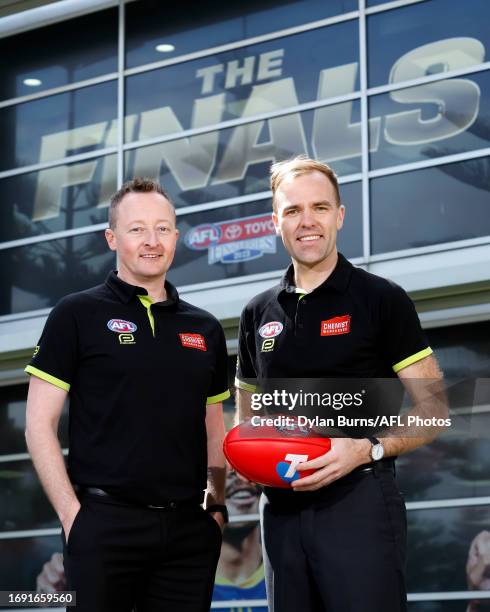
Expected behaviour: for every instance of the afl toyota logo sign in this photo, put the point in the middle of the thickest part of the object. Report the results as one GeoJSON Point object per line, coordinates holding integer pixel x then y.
{"type": "Point", "coordinates": [271, 330]}
{"type": "Point", "coordinates": [234, 240]}
{"type": "Point", "coordinates": [202, 237]}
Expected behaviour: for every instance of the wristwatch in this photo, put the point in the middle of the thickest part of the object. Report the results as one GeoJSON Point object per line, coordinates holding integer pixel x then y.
{"type": "Point", "coordinates": [377, 449]}
{"type": "Point", "coordinates": [219, 508]}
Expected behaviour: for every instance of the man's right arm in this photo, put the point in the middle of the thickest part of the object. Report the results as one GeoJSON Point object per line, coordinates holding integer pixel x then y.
{"type": "Point", "coordinates": [44, 406]}
{"type": "Point", "coordinates": [242, 402]}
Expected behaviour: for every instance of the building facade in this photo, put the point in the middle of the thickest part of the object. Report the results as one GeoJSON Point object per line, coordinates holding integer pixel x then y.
{"type": "Point", "coordinates": [395, 96]}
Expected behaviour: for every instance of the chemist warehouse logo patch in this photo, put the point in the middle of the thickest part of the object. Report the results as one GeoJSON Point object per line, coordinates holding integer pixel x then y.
{"type": "Point", "coordinates": [195, 341]}
{"type": "Point", "coordinates": [335, 326]}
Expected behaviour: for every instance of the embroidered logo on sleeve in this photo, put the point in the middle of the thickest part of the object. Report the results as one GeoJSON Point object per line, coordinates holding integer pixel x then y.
{"type": "Point", "coordinates": [335, 326]}
{"type": "Point", "coordinates": [195, 341]}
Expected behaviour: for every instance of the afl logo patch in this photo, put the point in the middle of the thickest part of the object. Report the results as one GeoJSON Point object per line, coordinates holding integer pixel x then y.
{"type": "Point", "coordinates": [271, 330]}
{"type": "Point", "coordinates": [120, 326]}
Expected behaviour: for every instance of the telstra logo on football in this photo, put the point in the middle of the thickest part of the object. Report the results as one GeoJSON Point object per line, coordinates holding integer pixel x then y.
{"type": "Point", "coordinates": [287, 471]}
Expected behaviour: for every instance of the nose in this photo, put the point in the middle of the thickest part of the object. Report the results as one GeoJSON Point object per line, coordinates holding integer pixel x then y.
{"type": "Point", "coordinates": [151, 238]}
{"type": "Point", "coordinates": [307, 219]}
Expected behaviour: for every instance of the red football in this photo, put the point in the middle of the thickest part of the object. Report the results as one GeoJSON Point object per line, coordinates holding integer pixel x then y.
{"type": "Point", "coordinates": [269, 453]}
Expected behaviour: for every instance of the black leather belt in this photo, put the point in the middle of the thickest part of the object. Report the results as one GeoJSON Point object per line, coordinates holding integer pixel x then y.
{"type": "Point", "coordinates": [384, 465]}
{"type": "Point", "coordinates": [170, 505]}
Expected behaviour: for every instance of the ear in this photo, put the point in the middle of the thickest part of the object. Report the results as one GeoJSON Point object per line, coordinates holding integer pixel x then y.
{"type": "Point", "coordinates": [275, 220]}
{"type": "Point", "coordinates": [110, 236]}
{"type": "Point", "coordinates": [177, 234]}
{"type": "Point", "coordinates": [340, 216]}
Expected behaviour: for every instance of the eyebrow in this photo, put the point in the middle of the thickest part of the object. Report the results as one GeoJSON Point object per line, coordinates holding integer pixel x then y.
{"type": "Point", "coordinates": [321, 202]}
{"type": "Point", "coordinates": [143, 222]}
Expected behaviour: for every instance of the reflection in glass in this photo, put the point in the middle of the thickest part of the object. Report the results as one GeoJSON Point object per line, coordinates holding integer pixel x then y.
{"type": "Point", "coordinates": [52, 128]}
{"type": "Point", "coordinates": [462, 350]}
{"type": "Point", "coordinates": [241, 240]}
{"type": "Point", "coordinates": [450, 467]}
{"type": "Point", "coordinates": [43, 54]}
{"type": "Point", "coordinates": [38, 275]}
{"type": "Point", "coordinates": [244, 82]}
{"type": "Point", "coordinates": [24, 503]}
{"type": "Point", "coordinates": [440, 545]}
{"type": "Point", "coordinates": [22, 560]}
{"type": "Point", "coordinates": [56, 199]}
{"type": "Point", "coordinates": [426, 38]}
{"type": "Point", "coordinates": [236, 161]}
{"type": "Point", "coordinates": [13, 420]}
{"type": "Point", "coordinates": [203, 25]}
{"type": "Point", "coordinates": [430, 121]}
{"type": "Point", "coordinates": [430, 206]}
{"type": "Point", "coordinates": [444, 606]}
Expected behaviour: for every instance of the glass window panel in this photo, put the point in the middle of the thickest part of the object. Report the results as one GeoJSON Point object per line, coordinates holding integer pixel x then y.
{"type": "Point", "coordinates": [240, 240]}
{"type": "Point", "coordinates": [439, 542]}
{"type": "Point", "coordinates": [244, 82]}
{"type": "Point", "coordinates": [462, 350]}
{"type": "Point", "coordinates": [236, 161]}
{"type": "Point", "coordinates": [56, 199]}
{"type": "Point", "coordinates": [44, 55]}
{"type": "Point", "coordinates": [55, 127]}
{"type": "Point", "coordinates": [453, 466]}
{"type": "Point", "coordinates": [24, 503]}
{"type": "Point", "coordinates": [13, 420]}
{"type": "Point", "coordinates": [426, 38]}
{"type": "Point", "coordinates": [429, 121]}
{"type": "Point", "coordinates": [444, 606]}
{"type": "Point", "coordinates": [203, 25]}
{"type": "Point", "coordinates": [38, 275]}
{"type": "Point", "coordinates": [430, 206]}
{"type": "Point", "coordinates": [22, 560]}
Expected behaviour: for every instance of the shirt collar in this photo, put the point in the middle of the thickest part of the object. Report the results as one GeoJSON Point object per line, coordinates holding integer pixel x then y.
{"type": "Point", "coordinates": [126, 292]}
{"type": "Point", "coordinates": [339, 278]}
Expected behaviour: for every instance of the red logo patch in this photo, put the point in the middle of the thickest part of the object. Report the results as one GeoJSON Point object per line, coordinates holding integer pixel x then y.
{"type": "Point", "coordinates": [335, 326]}
{"type": "Point", "coordinates": [195, 341]}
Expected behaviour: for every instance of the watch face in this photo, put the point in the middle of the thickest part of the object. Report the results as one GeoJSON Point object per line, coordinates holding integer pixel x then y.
{"type": "Point", "coordinates": [377, 452]}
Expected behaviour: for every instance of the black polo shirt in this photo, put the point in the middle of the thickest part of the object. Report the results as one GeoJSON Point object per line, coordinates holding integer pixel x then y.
{"type": "Point", "coordinates": [139, 375]}
{"type": "Point", "coordinates": [355, 324]}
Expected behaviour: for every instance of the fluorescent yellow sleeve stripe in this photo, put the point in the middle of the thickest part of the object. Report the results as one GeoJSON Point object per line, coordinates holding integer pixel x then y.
{"type": "Point", "coordinates": [245, 386]}
{"type": "Point", "coordinates": [47, 377]}
{"type": "Point", "coordinates": [412, 359]}
{"type": "Point", "coordinates": [214, 399]}
{"type": "Point", "coordinates": [147, 302]}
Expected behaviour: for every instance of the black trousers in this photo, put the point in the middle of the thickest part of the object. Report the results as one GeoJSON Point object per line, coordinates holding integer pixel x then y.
{"type": "Point", "coordinates": [121, 557]}
{"type": "Point", "coordinates": [340, 550]}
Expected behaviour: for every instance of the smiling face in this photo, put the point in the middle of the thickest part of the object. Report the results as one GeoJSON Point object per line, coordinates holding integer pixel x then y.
{"type": "Point", "coordinates": [307, 216]}
{"type": "Point", "coordinates": [242, 496]}
{"type": "Point", "coordinates": [144, 237]}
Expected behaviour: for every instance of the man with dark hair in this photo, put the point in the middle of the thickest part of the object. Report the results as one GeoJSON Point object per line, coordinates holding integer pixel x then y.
{"type": "Point", "coordinates": [336, 539]}
{"type": "Point", "coordinates": [146, 374]}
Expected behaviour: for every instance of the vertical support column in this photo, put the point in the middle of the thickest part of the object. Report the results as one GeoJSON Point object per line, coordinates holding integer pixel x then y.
{"type": "Point", "coordinates": [366, 209]}
{"type": "Point", "coordinates": [120, 93]}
